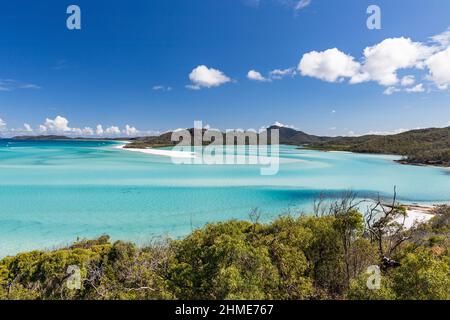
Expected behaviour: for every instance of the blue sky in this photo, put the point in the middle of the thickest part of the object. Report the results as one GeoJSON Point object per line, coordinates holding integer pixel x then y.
{"type": "Point", "coordinates": [137, 63]}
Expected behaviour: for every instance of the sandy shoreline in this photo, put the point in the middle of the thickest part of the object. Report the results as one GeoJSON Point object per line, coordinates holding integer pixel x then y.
{"type": "Point", "coordinates": [158, 152]}
{"type": "Point", "coordinates": [418, 214]}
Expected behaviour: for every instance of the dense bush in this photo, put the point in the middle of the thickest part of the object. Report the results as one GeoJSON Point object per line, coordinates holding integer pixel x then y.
{"type": "Point", "coordinates": [306, 257]}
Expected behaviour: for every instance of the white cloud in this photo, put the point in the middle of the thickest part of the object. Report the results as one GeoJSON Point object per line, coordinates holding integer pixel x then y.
{"type": "Point", "coordinates": [301, 4]}
{"type": "Point", "coordinates": [113, 130]}
{"type": "Point", "coordinates": [87, 131]}
{"type": "Point", "coordinates": [193, 87]}
{"type": "Point", "coordinates": [416, 89]}
{"type": "Point", "coordinates": [27, 127]}
{"type": "Point", "coordinates": [407, 81]}
{"type": "Point", "coordinates": [59, 124]}
{"type": "Point", "coordinates": [382, 61]}
{"type": "Point", "coordinates": [256, 76]}
{"type": "Point", "coordinates": [130, 131]}
{"type": "Point", "coordinates": [439, 66]}
{"type": "Point", "coordinates": [99, 130]}
{"type": "Point", "coordinates": [202, 76]}
{"type": "Point", "coordinates": [331, 65]}
{"type": "Point", "coordinates": [11, 85]}
{"type": "Point", "coordinates": [390, 90]}
{"type": "Point", "coordinates": [442, 39]}
{"type": "Point", "coordinates": [386, 133]}
{"type": "Point", "coordinates": [2, 124]}
{"type": "Point", "coordinates": [162, 88]}
{"type": "Point", "coordinates": [281, 73]}
{"type": "Point", "coordinates": [282, 125]}
{"type": "Point", "coordinates": [76, 131]}
{"type": "Point", "coordinates": [295, 5]}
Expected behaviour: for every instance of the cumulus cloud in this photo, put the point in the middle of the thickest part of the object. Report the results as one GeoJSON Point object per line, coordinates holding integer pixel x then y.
{"type": "Point", "coordinates": [59, 124]}
{"type": "Point", "coordinates": [202, 76]}
{"type": "Point", "coordinates": [99, 130]}
{"type": "Point", "coordinates": [87, 131]}
{"type": "Point", "coordinates": [331, 65]}
{"type": "Point", "coordinates": [390, 90]}
{"type": "Point", "coordinates": [416, 89]}
{"type": "Point", "coordinates": [443, 39]}
{"type": "Point", "coordinates": [278, 74]}
{"type": "Point", "coordinates": [2, 124]}
{"type": "Point", "coordinates": [382, 61]}
{"type": "Point", "coordinates": [130, 131]}
{"type": "Point", "coordinates": [439, 67]}
{"type": "Point", "coordinates": [282, 125]}
{"type": "Point", "coordinates": [256, 76]}
{"type": "Point", "coordinates": [113, 130]}
{"type": "Point", "coordinates": [407, 81]}
{"type": "Point", "coordinates": [27, 127]}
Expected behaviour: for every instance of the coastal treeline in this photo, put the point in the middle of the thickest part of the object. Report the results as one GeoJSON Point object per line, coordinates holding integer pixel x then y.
{"type": "Point", "coordinates": [325, 255]}
{"type": "Point", "coordinates": [421, 147]}
{"type": "Point", "coordinates": [424, 146]}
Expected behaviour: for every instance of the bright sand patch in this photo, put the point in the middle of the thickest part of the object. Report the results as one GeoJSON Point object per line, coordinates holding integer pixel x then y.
{"type": "Point", "coordinates": [158, 152]}
{"type": "Point", "coordinates": [418, 214]}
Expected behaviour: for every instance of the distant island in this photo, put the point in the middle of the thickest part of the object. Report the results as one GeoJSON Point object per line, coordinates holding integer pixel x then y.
{"type": "Point", "coordinates": [418, 147]}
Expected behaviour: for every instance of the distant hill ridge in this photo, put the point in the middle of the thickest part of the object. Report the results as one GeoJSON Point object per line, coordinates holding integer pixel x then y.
{"type": "Point", "coordinates": [425, 146]}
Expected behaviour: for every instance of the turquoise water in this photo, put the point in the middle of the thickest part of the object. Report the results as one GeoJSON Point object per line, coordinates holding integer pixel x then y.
{"type": "Point", "coordinates": [53, 192]}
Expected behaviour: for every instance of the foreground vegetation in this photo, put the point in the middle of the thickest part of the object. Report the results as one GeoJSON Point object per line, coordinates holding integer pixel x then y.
{"type": "Point", "coordinates": [323, 256]}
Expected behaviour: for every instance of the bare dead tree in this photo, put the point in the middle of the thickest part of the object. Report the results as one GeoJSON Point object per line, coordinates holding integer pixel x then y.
{"type": "Point", "coordinates": [319, 206]}
{"type": "Point", "coordinates": [255, 215]}
{"type": "Point", "coordinates": [385, 226]}
{"type": "Point", "coordinates": [337, 204]}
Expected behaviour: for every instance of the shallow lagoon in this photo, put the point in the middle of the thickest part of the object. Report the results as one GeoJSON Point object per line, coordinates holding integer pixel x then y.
{"type": "Point", "coordinates": [53, 192]}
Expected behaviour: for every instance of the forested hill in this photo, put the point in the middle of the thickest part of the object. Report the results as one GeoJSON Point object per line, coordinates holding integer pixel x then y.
{"type": "Point", "coordinates": [426, 146]}
{"type": "Point", "coordinates": [287, 136]}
